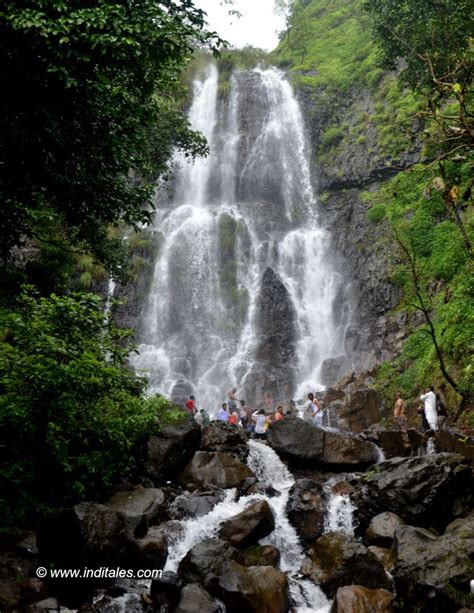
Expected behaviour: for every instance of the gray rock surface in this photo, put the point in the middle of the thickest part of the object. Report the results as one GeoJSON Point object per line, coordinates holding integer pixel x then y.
{"type": "Point", "coordinates": [382, 528]}
{"type": "Point", "coordinates": [217, 469]}
{"type": "Point", "coordinates": [255, 522]}
{"type": "Point", "coordinates": [359, 599]}
{"type": "Point", "coordinates": [222, 437]}
{"type": "Point", "coordinates": [306, 509]}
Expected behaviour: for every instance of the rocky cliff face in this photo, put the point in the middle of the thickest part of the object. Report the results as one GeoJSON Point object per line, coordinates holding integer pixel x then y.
{"type": "Point", "coordinates": [362, 249]}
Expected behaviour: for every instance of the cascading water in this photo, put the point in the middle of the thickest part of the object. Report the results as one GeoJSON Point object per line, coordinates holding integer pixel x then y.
{"type": "Point", "coordinates": [242, 292]}
{"type": "Point", "coordinates": [269, 469]}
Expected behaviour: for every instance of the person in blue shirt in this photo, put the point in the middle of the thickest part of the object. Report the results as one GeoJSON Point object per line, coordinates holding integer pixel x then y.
{"type": "Point", "coordinates": [223, 414]}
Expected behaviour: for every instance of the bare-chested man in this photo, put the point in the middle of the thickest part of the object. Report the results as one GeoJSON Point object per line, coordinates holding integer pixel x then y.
{"type": "Point", "coordinates": [399, 416]}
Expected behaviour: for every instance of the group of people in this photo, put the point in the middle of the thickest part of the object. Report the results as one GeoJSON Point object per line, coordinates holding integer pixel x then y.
{"type": "Point", "coordinates": [237, 413]}
{"type": "Point", "coordinates": [433, 411]}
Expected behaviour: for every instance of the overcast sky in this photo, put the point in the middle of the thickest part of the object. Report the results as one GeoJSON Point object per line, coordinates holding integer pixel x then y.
{"type": "Point", "coordinates": [258, 25]}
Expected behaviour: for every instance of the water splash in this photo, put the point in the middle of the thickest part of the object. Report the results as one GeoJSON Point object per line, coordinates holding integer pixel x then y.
{"type": "Point", "coordinates": [339, 514]}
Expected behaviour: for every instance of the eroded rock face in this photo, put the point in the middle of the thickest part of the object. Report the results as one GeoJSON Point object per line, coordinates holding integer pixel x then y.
{"type": "Point", "coordinates": [222, 437]}
{"type": "Point", "coordinates": [382, 528]}
{"type": "Point", "coordinates": [337, 559]}
{"type": "Point", "coordinates": [300, 441]}
{"type": "Point", "coordinates": [273, 371]}
{"type": "Point", "coordinates": [359, 599]}
{"type": "Point", "coordinates": [217, 469]}
{"type": "Point", "coordinates": [255, 522]}
{"type": "Point", "coordinates": [306, 508]}
{"type": "Point", "coordinates": [433, 573]}
{"type": "Point", "coordinates": [421, 490]}
{"type": "Point", "coordinates": [171, 448]}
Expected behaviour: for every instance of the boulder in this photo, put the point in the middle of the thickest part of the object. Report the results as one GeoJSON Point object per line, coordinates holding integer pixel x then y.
{"type": "Point", "coordinates": [218, 469]}
{"type": "Point", "coordinates": [261, 589]}
{"type": "Point", "coordinates": [359, 599]}
{"type": "Point", "coordinates": [138, 505]}
{"type": "Point", "coordinates": [195, 599]}
{"type": "Point", "coordinates": [255, 522]}
{"type": "Point", "coordinates": [196, 504]}
{"type": "Point", "coordinates": [222, 437]}
{"type": "Point", "coordinates": [347, 450]}
{"type": "Point", "coordinates": [421, 490]}
{"type": "Point", "coordinates": [203, 563]}
{"type": "Point", "coordinates": [337, 559]}
{"type": "Point", "coordinates": [382, 554]}
{"type": "Point", "coordinates": [296, 439]}
{"type": "Point", "coordinates": [433, 573]}
{"type": "Point", "coordinates": [169, 449]}
{"type": "Point", "coordinates": [165, 591]}
{"type": "Point", "coordinates": [393, 444]}
{"type": "Point", "coordinates": [332, 369]}
{"type": "Point", "coordinates": [258, 555]}
{"type": "Point", "coordinates": [301, 442]}
{"type": "Point", "coordinates": [306, 509]}
{"type": "Point", "coordinates": [382, 528]}
{"type": "Point", "coordinates": [17, 594]}
{"type": "Point", "coordinates": [150, 551]}
{"type": "Point", "coordinates": [43, 606]}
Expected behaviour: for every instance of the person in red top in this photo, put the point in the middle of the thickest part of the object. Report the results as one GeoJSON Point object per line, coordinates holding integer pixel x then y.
{"type": "Point", "coordinates": [233, 419]}
{"type": "Point", "coordinates": [191, 405]}
{"type": "Point", "coordinates": [279, 413]}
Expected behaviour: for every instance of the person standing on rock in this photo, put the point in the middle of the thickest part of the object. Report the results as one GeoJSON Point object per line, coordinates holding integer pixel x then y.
{"type": "Point", "coordinates": [223, 414]}
{"type": "Point", "coordinates": [191, 405]}
{"type": "Point", "coordinates": [429, 400]}
{"type": "Point", "coordinates": [279, 413]}
{"type": "Point", "coordinates": [232, 399]}
{"type": "Point", "coordinates": [260, 422]}
{"type": "Point", "coordinates": [308, 413]}
{"type": "Point", "coordinates": [244, 420]}
{"type": "Point", "coordinates": [318, 413]}
{"type": "Point", "coordinates": [205, 419]}
{"type": "Point", "coordinates": [400, 418]}
{"type": "Point", "coordinates": [441, 411]}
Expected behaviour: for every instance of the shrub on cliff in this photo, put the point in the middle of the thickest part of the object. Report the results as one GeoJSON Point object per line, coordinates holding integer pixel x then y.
{"type": "Point", "coordinates": [71, 412]}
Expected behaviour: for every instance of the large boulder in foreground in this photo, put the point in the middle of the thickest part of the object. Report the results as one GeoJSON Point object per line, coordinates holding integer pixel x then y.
{"type": "Point", "coordinates": [306, 509]}
{"type": "Point", "coordinates": [433, 573]}
{"type": "Point", "coordinates": [138, 504]}
{"type": "Point", "coordinates": [169, 449]}
{"type": "Point", "coordinates": [253, 523]}
{"type": "Point", "coordinates": [359, 599]}
{"type": "Point", "coordinates": [222, 437]}
{"type": "Point", "coordinates": [382, 528]}
{"type": "Point", "coordinates": [337, 559]}
{"type": "Point", "coordinates": [422, 490]}
{"type": "Point", "coordinates": [195, 599]}
{"type": "Point", "coordinates": [303, 443]}
{"type": "Point", "coordinates": [217, 469]}
{"type": "Point", "coordinates": [203, 563]}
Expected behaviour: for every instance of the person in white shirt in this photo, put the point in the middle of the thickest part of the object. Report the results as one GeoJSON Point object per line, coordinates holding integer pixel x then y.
{"type": "Point", "coordinates": [260, 420]}
{"type": "Point", "coordinates": [431, 414]}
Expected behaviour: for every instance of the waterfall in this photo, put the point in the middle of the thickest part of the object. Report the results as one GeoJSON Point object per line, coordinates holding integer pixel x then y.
{"type": "Point", "coordinates": [269, 469]}
{"type": "Point", "coordinates": [340, 514]}
{"type": "Point", "coordinates": [243, 292]}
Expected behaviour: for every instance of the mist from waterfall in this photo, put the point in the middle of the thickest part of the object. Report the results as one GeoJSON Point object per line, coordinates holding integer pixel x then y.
{"type": "Point", "coordinates": [246, 208]}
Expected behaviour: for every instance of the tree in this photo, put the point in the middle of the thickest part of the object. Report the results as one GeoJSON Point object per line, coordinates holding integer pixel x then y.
{"type": "Point", "coordinates": [71, 411]}
{"type": "Point", "coordinates": [88, 117]}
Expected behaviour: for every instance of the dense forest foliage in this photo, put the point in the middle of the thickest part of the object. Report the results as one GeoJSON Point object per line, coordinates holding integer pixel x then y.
{"type": "Point", "coordinates": [417, 61]}
{"type": "Point", "coordinates": [89, 117]}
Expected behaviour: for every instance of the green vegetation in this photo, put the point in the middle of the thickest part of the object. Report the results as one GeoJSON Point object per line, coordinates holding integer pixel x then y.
{"type": "Point", "coordinates": [435, 271]}
{"type": "Point", "coordinates": [71, 412]}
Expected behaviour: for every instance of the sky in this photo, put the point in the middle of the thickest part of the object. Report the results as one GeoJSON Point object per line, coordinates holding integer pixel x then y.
{"type": "Point", "coordinates": [258, 25]}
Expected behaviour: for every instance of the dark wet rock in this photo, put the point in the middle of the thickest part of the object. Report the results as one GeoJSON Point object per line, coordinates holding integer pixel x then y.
{"type": "Point", "coordinates": [181, 391]}
{"type": "Point", "coordinates": [203, 563]}
{"type": "Point", "coordinates": [355, 410]}
{"type": "Point", "coordinates": [150, 551]}
{"type": "Point", "coordinates": [382, 528]}
{"type": "Point", "coordinates": [360, 599]}
{"type": "Point", "coordinates": [222, 437]}
{"type": "Point", "coordinates": [194, 599]}
{"type": "Point", "coordinates": [301, 442]}
{"type": "Point", "coordinates": [43, 606]}
{"type": "Point", "coordinates": [139, 506]}
{"type": "Point", "coordinates": [196, 504]}
{"type": "Point", "coordinates": [255, 522]}
{"type": "Point", "coordinates": [17, 594]}
{"type": "Point", "coordinates": [172, 446]}
{"type": "Point", "coordinates": [87, 533]}
{"type": "Point", "coordinates": [306, 508]}
{"type": "Point", "coordinates": [332, 369]}
{"type": "Point", "coordinates": [421, 490]}
{"type": "Point", "coordinates": [337, 559]}
{"type": "Point", "coordinates": [455, 442]}
{"type": "Point", "coordinates": [273, 371]}
{"type": "Point", "coordinates": [165, 591]}
{"type": "Point", "coordinates": [217, 469]}
{"type": "Point", "coordinates": [433, 573]}
{"type": "Point", "coordinates": [259, 555]}
{"type": "Point", "coordinates": [393, 444]}
{"type": "Point", "coordinates": [294, 438]}
{"type": "Point", "coordinates": [259, 589]}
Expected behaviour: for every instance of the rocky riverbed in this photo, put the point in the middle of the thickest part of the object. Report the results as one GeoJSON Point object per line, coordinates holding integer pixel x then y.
{"type": "Point", "coordinates": [310, 520]}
